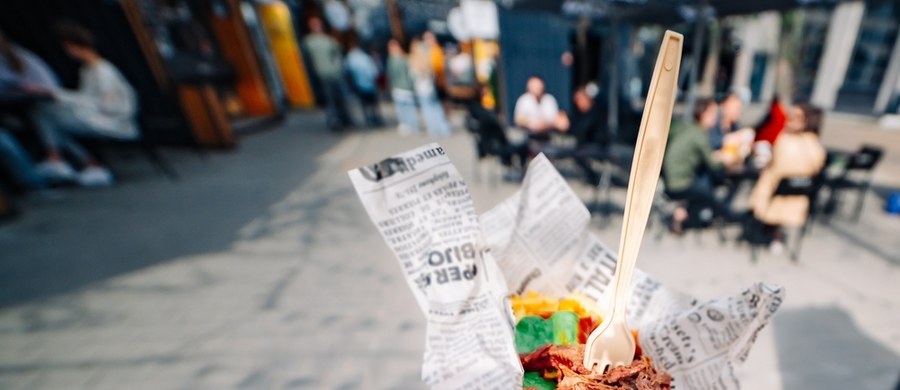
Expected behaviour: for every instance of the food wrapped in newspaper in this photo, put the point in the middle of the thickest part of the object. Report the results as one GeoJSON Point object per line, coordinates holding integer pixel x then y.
{"type": "Point", "coordinates": [462, 270]}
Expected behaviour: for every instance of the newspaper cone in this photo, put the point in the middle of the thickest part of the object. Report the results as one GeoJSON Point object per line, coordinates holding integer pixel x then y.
{"type": "Point", "coordinates": [461, 271]}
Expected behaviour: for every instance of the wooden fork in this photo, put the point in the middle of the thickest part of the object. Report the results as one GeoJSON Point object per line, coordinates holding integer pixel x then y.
{"type": "Point", "coordinates": [611, 344]}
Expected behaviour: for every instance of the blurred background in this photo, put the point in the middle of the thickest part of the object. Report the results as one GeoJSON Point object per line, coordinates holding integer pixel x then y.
{"type": "Point", "coordinates": [175, 211]}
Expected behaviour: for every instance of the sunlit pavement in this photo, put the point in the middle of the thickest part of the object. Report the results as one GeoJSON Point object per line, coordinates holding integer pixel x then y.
{"type": "Point", "coordinates": [259, 269]}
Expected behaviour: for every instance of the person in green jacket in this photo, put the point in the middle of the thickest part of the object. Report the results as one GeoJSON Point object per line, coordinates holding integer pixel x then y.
{"type": "Point", "coordinates": [326, 58]}
{"type": "Point", "coordinates": [690, 164]}
{"type": "Point", "coordinates": [401, 84]}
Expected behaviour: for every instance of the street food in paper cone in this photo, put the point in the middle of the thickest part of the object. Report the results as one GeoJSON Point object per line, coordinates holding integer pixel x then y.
{"type": "Point", "coordinates": [550, 336]}
{"type": "Point", "coordinates": [539, 240]}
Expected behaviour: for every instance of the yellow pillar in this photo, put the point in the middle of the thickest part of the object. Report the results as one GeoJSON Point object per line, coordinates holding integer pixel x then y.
{"type": "Point", "coordinates": [276, 20]}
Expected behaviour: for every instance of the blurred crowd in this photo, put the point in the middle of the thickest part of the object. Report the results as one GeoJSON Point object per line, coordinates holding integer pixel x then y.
{"type": "Point", "coordinates": [37, 108]}
{"type": "Point", "coordinates": [709, 154]}
{"type": "Point", "coordinates": [414, 75]}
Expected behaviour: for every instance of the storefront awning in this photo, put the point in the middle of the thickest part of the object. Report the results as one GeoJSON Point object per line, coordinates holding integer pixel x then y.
{"type": "Point", "coordinates": [658, 11]}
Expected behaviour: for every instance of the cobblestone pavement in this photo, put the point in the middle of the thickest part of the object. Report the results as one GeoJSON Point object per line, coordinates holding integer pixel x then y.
{"type": "Point", "coordinates": [260, 270]}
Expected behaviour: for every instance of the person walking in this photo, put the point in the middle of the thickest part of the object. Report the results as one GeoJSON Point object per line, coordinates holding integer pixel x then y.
{"type": "Point", "coordinates": [363, 74]}
{"type": "Point", "coordinates": [423, 79]}
{"type": "Point", "coordinates": [401, 85]}
{"type": "Point", "coordinates": [325, 55]}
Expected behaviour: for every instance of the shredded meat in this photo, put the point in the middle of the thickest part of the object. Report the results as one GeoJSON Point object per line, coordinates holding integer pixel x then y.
{"type": "Point", "coordinates": [639, 375]}
{"type": "Point", "coordinates": [539, 360]}
{"type": "Point", "coordinates": [571, 356]}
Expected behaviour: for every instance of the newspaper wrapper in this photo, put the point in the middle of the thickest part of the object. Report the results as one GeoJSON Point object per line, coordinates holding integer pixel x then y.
{"type": "Point", "coordinates": [461, 269]}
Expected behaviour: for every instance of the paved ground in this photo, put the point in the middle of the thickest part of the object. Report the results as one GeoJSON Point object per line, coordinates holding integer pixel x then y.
{"type": "Point", "coordinates": [259, 269]}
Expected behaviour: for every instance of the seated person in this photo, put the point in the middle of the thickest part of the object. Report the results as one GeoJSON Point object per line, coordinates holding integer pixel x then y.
{"type": "Point", "coordinates": [690, 164]}
{"type": "Point", "coordinates": [18, 164]}
{"type": "Point", "coordinates": [727, 121]}
{"type": "Point", "coordinates": [537, 111]}
{"type": "Point", "coordinates": [734, 142]}
{"type": "Point", "coordinates": [22, 70]}
{"type": "Point", "coordinates": [588, 126]}
{"type": "Point", "coordinates": [797, 152]}
{"type": "Point", "coordinates": [104, 106]}
{"type": "Point", "coordinates": [587, 122]}
{"type": "Point", "coordinates": [770, 127]}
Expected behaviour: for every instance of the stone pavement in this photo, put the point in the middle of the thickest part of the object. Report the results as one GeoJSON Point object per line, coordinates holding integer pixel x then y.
{"type": "Point", "coordinates": [260, 270]}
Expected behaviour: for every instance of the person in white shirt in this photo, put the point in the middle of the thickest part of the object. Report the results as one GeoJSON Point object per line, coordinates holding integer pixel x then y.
{"type": "Point", "coordinates": [537, 112]}
{"type": "Point", "coordinates": [103, 106]}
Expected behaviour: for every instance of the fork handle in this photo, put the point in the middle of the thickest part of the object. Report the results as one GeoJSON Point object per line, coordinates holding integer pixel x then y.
{"type": "Point", "coordinates": [647, 162]}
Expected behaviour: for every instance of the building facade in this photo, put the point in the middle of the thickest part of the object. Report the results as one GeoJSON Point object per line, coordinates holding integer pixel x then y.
{"type": "Point", "coordinates": [844, 58]}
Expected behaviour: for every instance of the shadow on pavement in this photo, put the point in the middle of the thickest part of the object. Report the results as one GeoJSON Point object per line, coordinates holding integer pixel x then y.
{"type": "Point", "coordinates": [822, 349]}
{"type": "Point", "coordinates": [868, 238]}
{"type": "Point", "coordinates": [88, 236]}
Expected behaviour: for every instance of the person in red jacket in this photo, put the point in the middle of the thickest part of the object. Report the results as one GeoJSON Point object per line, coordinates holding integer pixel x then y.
{"type": "Point", "coordinates": [772, 124]}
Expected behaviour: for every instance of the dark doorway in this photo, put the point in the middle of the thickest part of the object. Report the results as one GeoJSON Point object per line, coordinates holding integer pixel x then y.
{"type": "Point", "coordinates": [586, 51]}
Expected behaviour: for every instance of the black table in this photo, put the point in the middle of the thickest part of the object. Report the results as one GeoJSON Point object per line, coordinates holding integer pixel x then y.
{"type": "Point", "coordinates": [733, 179]}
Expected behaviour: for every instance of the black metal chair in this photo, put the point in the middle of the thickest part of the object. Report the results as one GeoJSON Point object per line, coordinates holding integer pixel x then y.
{"type": "Point", "coordinates": [754, 229]}
{"type": "Point", "coordinates": [663, 209]}
{"type": "Point", "coordinates": [490, 138]}
{"type": "Point", "coordinates": [855, 176]}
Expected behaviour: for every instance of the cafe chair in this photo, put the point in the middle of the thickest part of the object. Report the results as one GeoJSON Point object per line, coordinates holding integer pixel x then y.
{"type": "Point", "coordinates": [602, 188]}
{"type": "Point", "coordinates": [856, 175]}
{"type": "Point", "coordinates": [754, 229]}
{"type": "Point", "coordinates": [611, 167]}
{"type": "Point", "coordinates": [491, 142]}
{"type": "Point", "coordinates": [663, 209]}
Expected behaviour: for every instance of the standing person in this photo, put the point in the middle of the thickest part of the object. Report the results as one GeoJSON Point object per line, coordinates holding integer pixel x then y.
{"type": "Point", "coordinates": [103, 106]}
{"type": "Point", "coordinates": [423, 83]}
{"type": "Point", "coordinates": [401, 85]}
{"type": "Point", "coordinates": [690, 164]}
{"type": "Point", "coordinates": [363, 74]}
{"type": "Point", "coordinates": [462, 84]}
{"type": "Point", "coordinates": [435, 55]}
{"type": "Point", "coordinates": [325, 55]}
{"type": "Point", "coordinates": [797, 152]}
